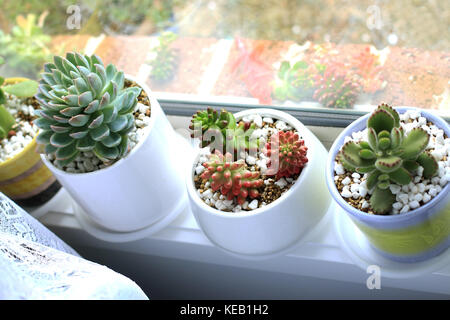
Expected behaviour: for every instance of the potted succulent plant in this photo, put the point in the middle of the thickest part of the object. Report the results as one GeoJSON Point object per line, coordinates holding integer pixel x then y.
{"type": "Point", "coordinates": [389, 171]}
{"type": "Point", "coordinates": [107, 140]}
{"type": "Point", "coordinates": [23, 176]}
{"type": "Point", "coordinates": [256, 186]}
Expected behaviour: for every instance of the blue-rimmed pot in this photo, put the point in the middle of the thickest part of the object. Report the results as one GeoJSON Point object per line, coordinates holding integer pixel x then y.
{"type": "Point", "coordinates": [417, 235]}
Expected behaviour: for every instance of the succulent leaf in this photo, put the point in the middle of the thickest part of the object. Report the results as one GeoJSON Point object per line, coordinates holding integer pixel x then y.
{"type": "Point", "coordinates": [381, 200]}
{"type": "Point", "coordinates": [400, 176]}
{"type": "Point", "coordinates": [414, 143]}
{"type": "Point", "coordinates": [372, 179]}
{"type": "Point", "coordinates": [410, 165]}
{"type": "Point", "coordinates": [381, 120]}
{"type": "Point", "coordinates": [396, 137]}
{"type": "Point", "coordinates": [367, 154]}
{"type": "Point", "coordinates": [350, 152]}
{"type": "Point", "coordinates": [392, 112]}
{"type": "Point", "coordinates": [372, 138]}
{"type": "Point", "coordinates": [429, 164]}
{"type": "Point", "coordinates": [384, 143]}
{"type": "Point", "coordinates": [388, 164]}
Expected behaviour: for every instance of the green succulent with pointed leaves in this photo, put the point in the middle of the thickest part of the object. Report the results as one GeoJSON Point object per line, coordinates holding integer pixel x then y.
{"type": "Point", "coordinates": [209, 124]}
{"type": "Point", "coordinates": [294, 83]}
{"type": "Point", "coordinates": [84, 107]}
{"type": "Point", "coordinates": [388, 156]}
{"type": "Point", "coordinates": [211, 120]}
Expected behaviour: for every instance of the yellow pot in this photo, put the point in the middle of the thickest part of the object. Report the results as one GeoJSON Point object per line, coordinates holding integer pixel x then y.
{"type": "Point", "coordinates": [24, 178]}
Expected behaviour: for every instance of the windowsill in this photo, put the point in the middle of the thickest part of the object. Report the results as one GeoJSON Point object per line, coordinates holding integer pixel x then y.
{"type": "Point", "coordinates": [319, 256]}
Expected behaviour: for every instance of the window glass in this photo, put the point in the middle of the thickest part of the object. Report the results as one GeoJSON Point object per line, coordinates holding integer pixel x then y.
{"type": "Point", "coordinates": [321, 55]}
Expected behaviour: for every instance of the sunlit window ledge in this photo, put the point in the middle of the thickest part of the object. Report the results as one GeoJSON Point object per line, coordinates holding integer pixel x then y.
{"type": "Point", "coordinates": [320, 255]}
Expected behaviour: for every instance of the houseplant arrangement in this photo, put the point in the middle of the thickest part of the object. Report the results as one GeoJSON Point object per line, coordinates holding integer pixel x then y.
{"type": "Point", "coordinates": [257, 188]}
{"type": "Point", "coordinates": [389, 171]}
{"type": "Point", "coordinates": [23, 176]}
{"type": "Point", "coordinates": [100, 130]}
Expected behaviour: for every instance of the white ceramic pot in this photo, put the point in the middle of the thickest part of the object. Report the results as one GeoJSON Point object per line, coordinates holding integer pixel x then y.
{"type": "Point", "coordinates": [281, 224]}
{"type": "Point", "coordinates": [138, 190]}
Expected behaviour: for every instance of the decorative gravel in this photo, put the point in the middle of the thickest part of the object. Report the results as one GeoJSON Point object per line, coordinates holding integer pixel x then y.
{"type": "Point", "coordinates": [88, 162]}
{"type": "Point", "coordinates": [269, 192]}
{"type": "Point", "coordinates": [23, 131]}
{"type": "Point", "coordinates": [352, 186]}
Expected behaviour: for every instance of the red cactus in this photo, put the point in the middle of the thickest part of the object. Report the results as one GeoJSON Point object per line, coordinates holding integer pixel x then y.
{"type": "Point", "coordinates": [289, 150]}
{"type": "Point", "coordinates": [231, 178]}
{"type": "Point", "coordinates": [336, 87]}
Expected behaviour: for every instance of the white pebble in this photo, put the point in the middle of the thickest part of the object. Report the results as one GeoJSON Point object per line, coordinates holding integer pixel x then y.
{"type": "Point", "coordinates": [418, 197]}
{"type": "Point", "coordinates": [199, 169]}
{"type": "Point", "coordinates": [397, 205]}
{"type": "Point", "coordinates": [339, 169]}
{"type": "Point", "coordinates": [346, 193]}
{"type": "Point", "coordinates": [362, 191]}
{"type": "Point", "coordinates": [354, 187]}
{"type": "Point", "coordinates": [421, 187]}
{"type": "Point", "coordinates": [405, 209]}
{"type": "Point", "coordinates": [414, 204]}
{"type": "Point", "coordinates": [280, 125]}
{"type": "Point", "coordinates": [237, 208]}
{"type": "Point", "coordinates": [365, 204]}
{"type": "Point", "coordinates": [207, 194]}
{"type": "Point", "coordinates": [268, 120]}
{"type": "Point", "coordinates": [250, 160]}
{"type": "Point", "coordinates": [395, 188]}
{"type": "Point", "coordinates": [346, 181]}
{"type": "Point", "coordinates": [403, 197]}
{"type": "Point", "coordinates": [356, 175]}
{"type": "Point", "coordinates": [253, 205]}
{"type": "Point", "coordinates": [281, 183]}
{"type": "Point", "coordinates": [432, 192]}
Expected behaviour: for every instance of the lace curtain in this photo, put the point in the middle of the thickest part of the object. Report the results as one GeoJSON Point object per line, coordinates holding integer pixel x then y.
{"type": "Point", "coordinates": [36, 264]}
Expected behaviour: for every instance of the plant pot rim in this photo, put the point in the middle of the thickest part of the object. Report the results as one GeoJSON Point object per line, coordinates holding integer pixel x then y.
{"type": "Point", "coordinates": [364, 216]}
{"type": "Point", "coordinates": [280, 115]}
{"type": "Point", "coordinates": [32, 143]}
{"type": "Point", "coordinates": [130, 154]}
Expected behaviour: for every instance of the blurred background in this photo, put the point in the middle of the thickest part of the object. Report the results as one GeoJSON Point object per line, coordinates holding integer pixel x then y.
{"type": "Point", "coordinates": [353, 54]}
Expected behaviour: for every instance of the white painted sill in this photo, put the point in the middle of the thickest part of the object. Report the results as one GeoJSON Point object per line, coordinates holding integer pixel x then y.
{"type": "Point", "coordinates": [320, 256]}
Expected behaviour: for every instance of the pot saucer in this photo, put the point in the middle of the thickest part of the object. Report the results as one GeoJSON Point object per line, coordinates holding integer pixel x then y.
{"type": "Point", "coordinates": [184, 149]}
{"type": "Point", "coordinates": [104, 234]}
{"type": "Point", "coordinates": [60, 198]}
{"type": "Point", "coordinates": [361, 252]}
{"type": "Point", "coordinates": [315, 231]}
